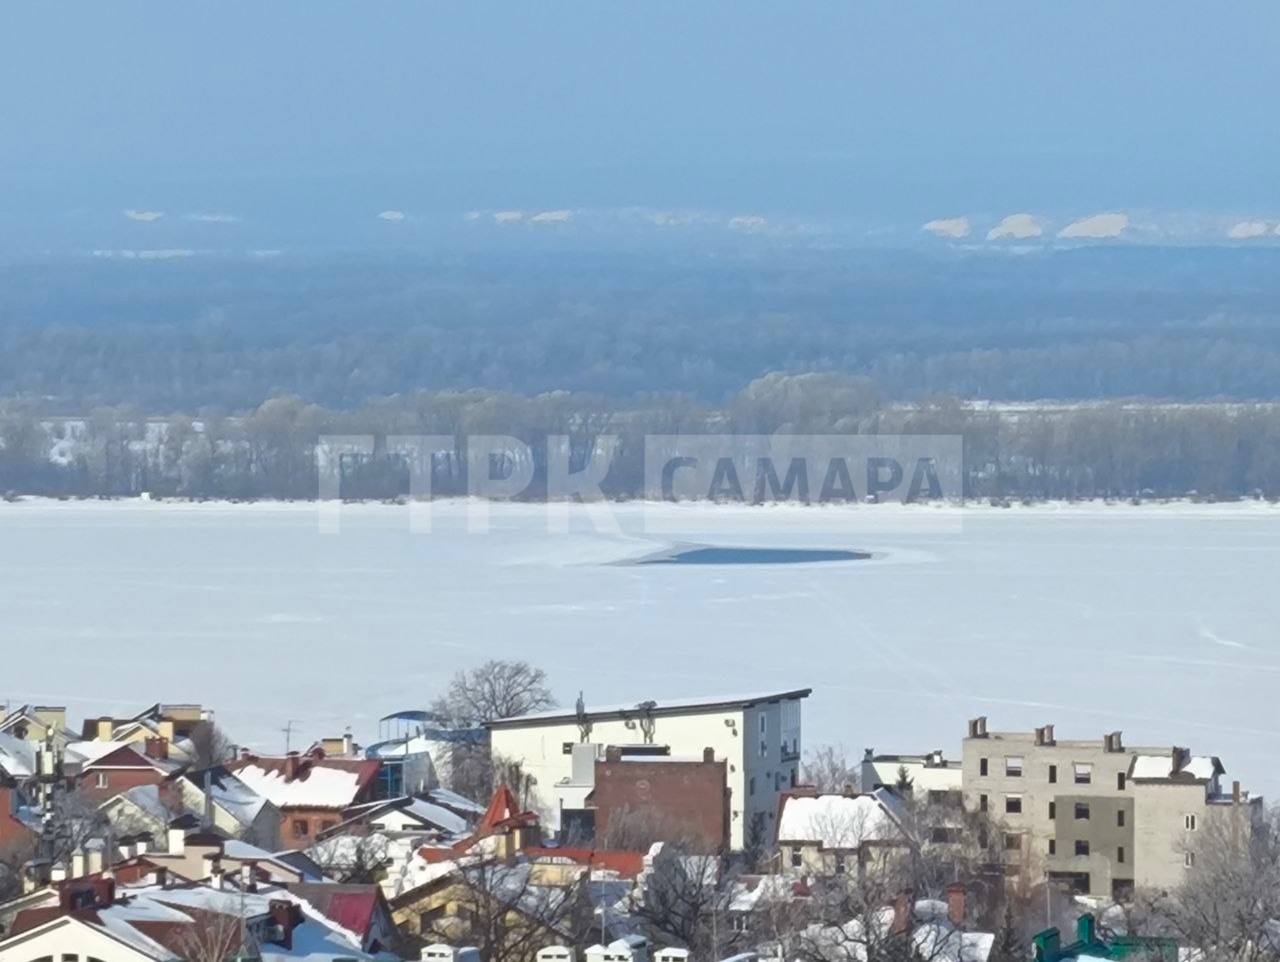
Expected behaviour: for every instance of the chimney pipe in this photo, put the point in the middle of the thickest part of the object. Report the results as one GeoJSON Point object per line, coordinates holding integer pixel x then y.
{"type": "Point", "coordinates": [708, 755]}
{"type": "Point", "coordinates": [956, 904]}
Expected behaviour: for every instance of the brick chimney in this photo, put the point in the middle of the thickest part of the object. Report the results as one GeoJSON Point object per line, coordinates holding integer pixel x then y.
{"type": "Point", "coordinates": [902, 906]}
{"type": "Point", "coordinates": [157, 748]}
{"type": "Point", "coordinates": [613, 754]}
{"type": "Point", "coordinates": [291, 763]}
{"type": "Point", "coordinates": [708, 755]}
{"type": "Point", "coordinates": [978, 727]}
{"type": "Point", "coordinates": [1179, 758]}
{"type": "Point", "coordinates": [956, 904]}
{"type": "Point", "coordinates": [105, 729]}
{"type": "Point", "coordinates": [286, 916]}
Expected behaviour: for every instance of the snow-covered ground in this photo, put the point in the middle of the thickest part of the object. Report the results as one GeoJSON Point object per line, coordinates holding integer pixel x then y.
{"type": "Point", "coordinates": [1160, 620]}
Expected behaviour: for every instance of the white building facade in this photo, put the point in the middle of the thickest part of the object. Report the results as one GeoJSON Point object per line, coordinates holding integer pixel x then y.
{"type": "Point", "coordinates": [758, 735]}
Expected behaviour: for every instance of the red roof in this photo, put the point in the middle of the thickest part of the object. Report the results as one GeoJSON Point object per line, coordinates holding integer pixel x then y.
{"type": "Point", "coordinates": [503, 812]}
{"type": "Point", "coordinates": [353, 907]}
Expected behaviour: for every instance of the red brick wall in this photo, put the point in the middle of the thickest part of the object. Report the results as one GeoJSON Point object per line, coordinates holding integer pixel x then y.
{"type": "Point", "coordinates": [301, 827]}
{"type": "Point", "coordinates": [12, 831]}
{"type": "Point", "coordinates": [117, 780]}
{"type": "Point", "coordinates": [688, 797]}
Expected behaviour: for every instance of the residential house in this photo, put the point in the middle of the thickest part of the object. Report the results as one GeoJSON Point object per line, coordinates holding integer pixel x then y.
{"type": "Point", "coordinates": [401, 816]}
{"type": "Point", "coordinates": [311, 791]}
{"type": "Point", "coordinates": [497, 896]}
{"type": "Point", "coordinates": [834, 833]}
{"type": "Point", "coordinates": [104, 769]}
{"type": "Point", "coordinates": [100, 920]}
{"type": "Point", "coordinates": [174, 723]}
{"type": "Point", "coordinates": [38, 724]}
{"type": "Point", "coordinates": [361, 910]}
{"type": "Point", "coordinates": [1180, 807]}
{"type": "Point", "coordinates": [683, 800]}
{"type": "Point", "coordinates": [230, 806]}
{"type": "Point", "coordinates": [1070, 809]}
{"type": "Point", "coordinates": [758, 735]}
{"type": "Point", "coordinates": [19, 824]}
{"type": "Point", "coordinates": [930, 777]}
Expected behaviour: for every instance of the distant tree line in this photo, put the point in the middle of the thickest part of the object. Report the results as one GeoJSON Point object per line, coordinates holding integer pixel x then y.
{"type": "Point", "coordinates": [78, 333]}
{"type": "Point", "coordinates": [1114, 450]}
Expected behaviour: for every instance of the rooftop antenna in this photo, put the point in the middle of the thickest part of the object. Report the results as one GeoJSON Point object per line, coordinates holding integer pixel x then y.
{"type": "Point", "coordinates": [288, 735]}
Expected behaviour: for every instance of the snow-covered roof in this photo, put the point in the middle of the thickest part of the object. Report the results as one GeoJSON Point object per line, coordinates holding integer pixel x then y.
{"type": "Point", "coordinates": [437, 815]}
{"type": "Point", "coordinates": [667, 706]}
{"type": "Point", "coordinates": [838, 821]}
{"type": "Point", "coordinates": [147, 799]}
{"type": "Point", "coordinates": [321, 783]}
{"type": "Point", "coordinates": [149, 918]}
{"type": "Point", "coordinates": [88, 752]}
{"type": "Point", "coordinates": [454, 801]}
{"type": "Point", "coordinates": [1161, 766]}
{"type": "Point", "coordinates": [17, 757]}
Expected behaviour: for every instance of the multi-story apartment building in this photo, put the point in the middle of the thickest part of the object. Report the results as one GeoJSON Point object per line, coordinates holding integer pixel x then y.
{"type": "Point", "coordinates": [1099, 816]}
{"type": "Point", "coordinates": [758, 735]}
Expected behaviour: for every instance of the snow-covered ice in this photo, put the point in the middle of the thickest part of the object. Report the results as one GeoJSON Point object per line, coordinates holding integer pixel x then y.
{"type": "Point", "coordinates": [1160, 620]}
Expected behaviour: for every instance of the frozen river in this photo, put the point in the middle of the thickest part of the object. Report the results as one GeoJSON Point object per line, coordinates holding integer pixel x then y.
{"type": "Point", "coordinates": [1162, 621]}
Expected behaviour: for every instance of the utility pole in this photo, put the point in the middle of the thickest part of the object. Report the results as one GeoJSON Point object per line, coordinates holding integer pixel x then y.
{"type": "Point", "coordinates": [288, 735]}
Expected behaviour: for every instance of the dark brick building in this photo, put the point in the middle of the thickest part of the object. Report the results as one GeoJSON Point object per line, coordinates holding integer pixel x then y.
{"type": "Point", "coordinates": [687, 798]}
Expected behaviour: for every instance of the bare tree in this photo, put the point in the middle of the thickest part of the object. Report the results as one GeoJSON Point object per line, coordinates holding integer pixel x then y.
{"type": "Point", "coordinates": [209, 746]}
{"type": "Point", "coordinates": [13, 855]}
{"type": "Point", "coordinates": [75, 819]}
{"type": "Point", "coordinates": [684, 898]}
{"type": "Point", "coordinates": [496, 689]}
{"type": "Point", "coordinates": [353, 858]}
{"type": "Point", "coordinates": [1227, 907]}
{"type": "Point", "coordinates": [828, 769]}
{"type": "Point", "coordinates": [508, 912]}
{"type": "Point", "coordinates": [217, 934]}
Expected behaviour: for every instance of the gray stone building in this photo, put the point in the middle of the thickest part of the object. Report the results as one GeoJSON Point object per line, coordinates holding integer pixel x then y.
{"type": "Point", "coordinates": [1100, 817]}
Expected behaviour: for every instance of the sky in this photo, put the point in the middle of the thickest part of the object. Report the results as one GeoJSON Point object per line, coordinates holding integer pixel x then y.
{"type": "Point", "coordinates": [316, 111]}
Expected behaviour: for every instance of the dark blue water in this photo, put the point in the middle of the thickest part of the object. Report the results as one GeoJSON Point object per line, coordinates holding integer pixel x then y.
{"type": "Point", "coordinates": [755, 556]}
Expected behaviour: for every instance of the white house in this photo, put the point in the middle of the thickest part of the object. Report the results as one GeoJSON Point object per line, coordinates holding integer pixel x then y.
{"type": "Point", "coordinates": [758, 735]}
{"type": "Point", "coordinates": [930, 773]}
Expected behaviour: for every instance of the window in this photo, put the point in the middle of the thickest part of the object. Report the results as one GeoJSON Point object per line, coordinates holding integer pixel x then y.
{"type": "Point", "coordinates": [1189, 859]}
{"type": "Point", "coordinates": [1189, 822]}
{"type": "Point", "coordinates": [301, 829]}
{"type": "Point", "coordinates": [1082, 811]}
{"type": "Point", "coordinates": [796, 858]}
{"type": "Point", "coordinates": [1013, 804]}
{"type": "Point", "coordinates": [751, 785]}
{"type": "Point", "coordinates": [1120, 855]}
{"type": "Point", "coordinates": [982, 803]}
{"type": "Point", "coordinates": [839, 863]}
{"type": "Point", "coordinates": [982, 767]}
{"type": "Point", "coordinates": [942, 835]}
{"type": "Point", "coordinates": [1053, 846]}
{"type": "Point", "coordinates": [1120, 818]}
{"type": "Point", "coordinates": [1083, 773]}
{"type": "Point", "coordinates": [100, 780]}
{"type": "Point", "coordinates": [1120, 781]}
{"type": "Point", "coordinates": [1053, 774]}
{"type": "Point", "coordinates": [1013, 766]}
{"type": "Point", "coordinates": [1012, 842]}
{"type": "Point", "coordinates": [1053, 809]}
{"type": "Point", "coordinates": [1082, 846]}
{"type": "Point", "coordinates": [793, 778]}
{"type": "Point", "coordinates": [378, 826]}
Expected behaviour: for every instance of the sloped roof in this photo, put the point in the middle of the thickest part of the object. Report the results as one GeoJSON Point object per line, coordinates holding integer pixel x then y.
{"type": "Point", "coordinates": [668, 706]}
{"type": "Point", "coordinates": [353, 907]}
{"type": "Point", "coordinates": [319, 782]}
{"type": "Point", "coordinates": [837, 821]}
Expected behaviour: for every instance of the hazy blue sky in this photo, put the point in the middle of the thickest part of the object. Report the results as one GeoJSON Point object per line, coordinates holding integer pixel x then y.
{"type": "Point", "coordinates": [902, 109]}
